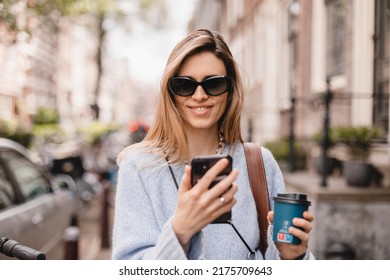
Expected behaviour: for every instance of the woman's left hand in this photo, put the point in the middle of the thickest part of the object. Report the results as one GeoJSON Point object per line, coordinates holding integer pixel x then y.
{"type": "Point", "coordinates": [292, 251]}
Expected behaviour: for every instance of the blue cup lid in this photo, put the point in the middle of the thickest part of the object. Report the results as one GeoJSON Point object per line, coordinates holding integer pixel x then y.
{"type": "Point", "coordinates": [296, 198]}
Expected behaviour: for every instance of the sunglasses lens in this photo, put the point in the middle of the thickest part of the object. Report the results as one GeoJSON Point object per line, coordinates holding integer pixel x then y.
{"type": "Point", "coordinates": [182, 86]}
{"type": "Point", "coordinates": [216, 86]}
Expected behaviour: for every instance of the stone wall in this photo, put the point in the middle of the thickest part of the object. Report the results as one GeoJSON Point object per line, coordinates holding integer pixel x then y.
{"type": "Point", "coordinates": [352, 216]}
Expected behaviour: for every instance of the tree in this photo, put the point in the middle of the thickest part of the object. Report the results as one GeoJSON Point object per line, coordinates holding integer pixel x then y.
{"type": "Point", "coordinates": [50, 11]}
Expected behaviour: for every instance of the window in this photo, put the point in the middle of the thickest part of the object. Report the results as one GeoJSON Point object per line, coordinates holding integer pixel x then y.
{"type": "Point", "coordinates": [7, 195]}
{"type": "Point", "coordinates": [382, 64]}
{"type": "Point", "coordinates": [336, 34]}
{"type": "Point", "coordinates": [31, 181]}
{"type": "Point", "coordinates": [293, 29]}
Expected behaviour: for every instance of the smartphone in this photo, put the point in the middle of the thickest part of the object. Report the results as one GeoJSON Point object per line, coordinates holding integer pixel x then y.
{"type": "Point", "coordinates": [200, 165]}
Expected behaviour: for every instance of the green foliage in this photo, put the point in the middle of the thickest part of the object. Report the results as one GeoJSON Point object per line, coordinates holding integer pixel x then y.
{"type": "Point", "coordinates": [46, 116]}
{"type": "Point", "coordinates": [74, 7]}
{"type": "Point", "coordinates": [281, 149]}
{"type": "Point", "coordinates": [358, 140]}
{"type": "Point", "coordinates": [317, 137]}
{"type": "Point", "coordinates": [14, 131]}
{"type": "Point", "coordinates": [6, 16]}
{"type": "Point", "coordinates": [96, 130]}
{"type": "Point", "coordinates": [48, 132]}
{"type": "Point", "coordinates": [49, 11]}
{"type": "Point", "coordinates": [45, 126]}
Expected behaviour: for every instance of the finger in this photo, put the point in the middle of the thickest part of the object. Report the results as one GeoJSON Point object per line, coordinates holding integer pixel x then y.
{"type": "Point", "coordinates": [224, 185]}
{"type": "Point", "coordinates": [215, 202]}
{"type": "Point", "coordinates": [225, 197]}
{"type": "Point", "coordinates": [302, 223]}
{"type": "Point", "coordinates": [185, 184]}
{"type": "Point", "coordinates": [308, 216]}
{"type": "Point", "coordinates": [303, 236]}
{"type": "Point", "coordinates": [213, 173]}
{"type": "Point", "coordinates": [270, 217]}
{"type": "Point", "coordinates": [222, 205]}
{"type": "Point", "coordinates": [229, 194]}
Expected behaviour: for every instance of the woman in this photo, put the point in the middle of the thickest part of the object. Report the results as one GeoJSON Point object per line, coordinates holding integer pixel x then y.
{"type": "Point", "coordinates": [158, 215]}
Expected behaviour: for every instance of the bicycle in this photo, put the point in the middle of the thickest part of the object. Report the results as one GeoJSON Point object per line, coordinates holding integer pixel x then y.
{"type": "Point", "coordinates": [13, 249]}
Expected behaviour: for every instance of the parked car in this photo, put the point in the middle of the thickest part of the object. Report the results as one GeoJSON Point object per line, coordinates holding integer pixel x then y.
{"type": "Point", "coordinates": [34, 209]}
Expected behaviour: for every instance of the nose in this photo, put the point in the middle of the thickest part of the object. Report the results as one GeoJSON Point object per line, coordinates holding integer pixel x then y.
{"type": "Point", "coordinates": [199, 94]}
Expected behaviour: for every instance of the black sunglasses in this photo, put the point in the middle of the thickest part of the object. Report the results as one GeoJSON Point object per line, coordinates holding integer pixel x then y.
{"type": "Point", "coordinates": [213, 86]}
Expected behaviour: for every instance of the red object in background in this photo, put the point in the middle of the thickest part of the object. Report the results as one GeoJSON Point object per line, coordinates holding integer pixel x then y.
{"type": "Point", "coordinates": [133, 126]}
{"type": "Point", "coordinates": [138, 130]}
{"type": "Point", "coordinates": [136, 125]}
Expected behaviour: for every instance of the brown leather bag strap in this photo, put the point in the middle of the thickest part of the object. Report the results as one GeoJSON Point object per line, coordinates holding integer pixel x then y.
{"type": "Point", "coordinates": [258, 182]}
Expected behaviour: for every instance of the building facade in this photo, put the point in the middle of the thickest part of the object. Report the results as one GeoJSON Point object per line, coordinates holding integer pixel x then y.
{"type": "Point", "coordinates": [27, 68]}
{"type": "Point", "coordinates": [288, 48]}
{"type": "Point", "coordinates": [56, 68]}
{"type": "Point", "coordinates": [292, 53]}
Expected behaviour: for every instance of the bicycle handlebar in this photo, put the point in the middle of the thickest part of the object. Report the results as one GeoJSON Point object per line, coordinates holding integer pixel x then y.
{"type": "Point", "coordinates": [13, 249]}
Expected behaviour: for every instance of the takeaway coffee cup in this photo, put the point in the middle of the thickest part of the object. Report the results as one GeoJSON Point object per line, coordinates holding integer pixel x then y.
{"type": "Point", "coordinates": [287, 207]}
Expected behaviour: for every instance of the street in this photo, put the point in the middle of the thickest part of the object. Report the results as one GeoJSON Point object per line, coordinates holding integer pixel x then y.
{"type": "Point", "coordinates": [91, 237]}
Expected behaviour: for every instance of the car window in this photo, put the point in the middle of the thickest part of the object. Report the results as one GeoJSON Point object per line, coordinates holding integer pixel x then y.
{"type": "Point", "coordinates": [7, 195]}
{"type": "Point", "coordinates": [31, 181]}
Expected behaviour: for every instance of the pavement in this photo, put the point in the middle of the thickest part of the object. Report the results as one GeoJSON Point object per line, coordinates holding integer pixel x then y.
{"type": "Point", "coordinates": [96, 229]}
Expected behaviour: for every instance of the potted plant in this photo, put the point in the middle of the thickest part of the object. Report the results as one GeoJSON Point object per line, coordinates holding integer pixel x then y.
{"type": "Point", "coordinates": [358, 140]}
{"type": "Point", "coordinates": [280, 149]}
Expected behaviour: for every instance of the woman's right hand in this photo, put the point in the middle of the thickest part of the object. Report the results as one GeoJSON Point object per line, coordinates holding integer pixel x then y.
{"type": "Point", "coordinates": [199, 206]}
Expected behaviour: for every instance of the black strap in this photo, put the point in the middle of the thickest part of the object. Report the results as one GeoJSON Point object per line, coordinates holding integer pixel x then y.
{"type": "Point", "coordinates": [173, 175]}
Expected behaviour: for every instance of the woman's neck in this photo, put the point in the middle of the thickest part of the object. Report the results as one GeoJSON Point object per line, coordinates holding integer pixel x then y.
{"type": "Point", "coordinates": [202, 142]}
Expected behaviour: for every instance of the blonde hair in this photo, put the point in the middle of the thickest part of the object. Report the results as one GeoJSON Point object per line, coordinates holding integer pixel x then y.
{"type": "Point", "coordinates": [166, 136]}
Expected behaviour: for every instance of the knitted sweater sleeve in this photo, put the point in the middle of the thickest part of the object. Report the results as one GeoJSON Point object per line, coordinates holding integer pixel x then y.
{"type": "Point", "coordinates": [137, 233]}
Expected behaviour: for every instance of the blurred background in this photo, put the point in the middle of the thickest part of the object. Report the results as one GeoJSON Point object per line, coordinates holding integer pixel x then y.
{"type": "Point", "coordinates": [79, 79]}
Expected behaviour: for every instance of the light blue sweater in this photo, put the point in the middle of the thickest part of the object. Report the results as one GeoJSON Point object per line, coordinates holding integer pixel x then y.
{"type": "Point", "coordinates": [146, 198]}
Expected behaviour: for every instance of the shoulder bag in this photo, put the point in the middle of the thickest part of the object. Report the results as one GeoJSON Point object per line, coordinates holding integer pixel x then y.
{"type": "Point", "coordinates": [258, 182]}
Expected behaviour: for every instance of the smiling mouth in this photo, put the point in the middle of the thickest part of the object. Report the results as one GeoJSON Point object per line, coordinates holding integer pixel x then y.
{"type": "Point", "coordinates": [200, 108]}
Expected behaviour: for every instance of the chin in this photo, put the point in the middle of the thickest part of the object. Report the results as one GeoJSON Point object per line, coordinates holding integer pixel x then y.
{"type": "Point", "coordinates": [199, 125]}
